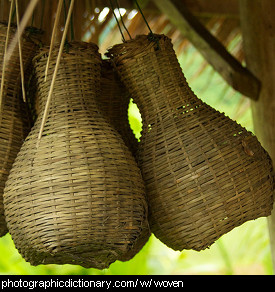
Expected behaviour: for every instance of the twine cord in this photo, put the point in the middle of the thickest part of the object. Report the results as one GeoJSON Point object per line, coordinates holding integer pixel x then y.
{"type": "Point", "coordinates": [112, 7]}
{"type": "Point", "coordinates": [147, 24]}
{"type": "Point", "coordinates": [151, 36]}
{"type": "Point", "coordinates": [122, 20]}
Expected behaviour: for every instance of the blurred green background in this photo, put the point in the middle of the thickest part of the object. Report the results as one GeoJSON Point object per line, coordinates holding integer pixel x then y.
{"type": "Point", "coordinates": [244, 250]}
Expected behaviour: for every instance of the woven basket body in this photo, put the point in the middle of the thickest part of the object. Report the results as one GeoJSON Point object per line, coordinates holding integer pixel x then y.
{"type": "Point", "coordinates": [204, 173]}
{"type": "Point", "coordinates": [79, 197]}
{"type": "Point", "coordinates": [14, 121]}
{"type": "Point", "coordinates": [114, 101]}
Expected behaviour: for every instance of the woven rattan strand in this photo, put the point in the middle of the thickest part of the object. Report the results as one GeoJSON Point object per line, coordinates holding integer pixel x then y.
{"type": "Point", "coordinates": [79, 197]}
{"type": "Point", "coordinates": [204, 173]}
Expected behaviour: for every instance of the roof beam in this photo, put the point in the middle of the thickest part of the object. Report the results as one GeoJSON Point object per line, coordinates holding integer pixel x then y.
{"type": "Point", "coordinates": [237, 76]}
{"type": "Point", "coordinates": [228, 8]}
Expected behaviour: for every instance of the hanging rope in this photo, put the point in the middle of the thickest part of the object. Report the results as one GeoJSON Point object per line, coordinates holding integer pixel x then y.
{"type": "Point", "coordinates": [55, 71]}
{"type": "Point", "coordinates": [112, 7]}
{"type": "Point", "coordinates": [5, 55]}
{"type": "Point", "coordinates": [143, 17]}
{"type": "Point", "coordinates": [151, 35]}
{"type": "Point", "coordinates": [122, 19]}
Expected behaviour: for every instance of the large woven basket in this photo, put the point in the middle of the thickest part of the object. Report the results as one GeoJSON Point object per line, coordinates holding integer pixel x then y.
{"type": "Point", "coordinates": [79, 197]}
{"type": "Point", "coordinates": [114, 101]}
{"type": "Point", "coordinates": [14, 118]}
{"type": "Point", "coordinates": [204, 173]}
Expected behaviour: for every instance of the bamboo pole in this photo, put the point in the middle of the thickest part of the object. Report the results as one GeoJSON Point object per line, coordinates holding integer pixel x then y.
{"type": "Point", "coordinates": [56, 22]}
{"type": "Point", "coordinates": [55, 71]}
{"type": "Point", "coordinates": [20, 50]}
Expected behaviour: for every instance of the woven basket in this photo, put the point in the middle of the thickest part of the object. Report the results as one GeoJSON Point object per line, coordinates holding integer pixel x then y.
{"type": "Point", "coordinates": [14, 118]}
{"type": "Point", "coordinates": [114, 101]}
{"type": "Point", "coordinates": [204, 173]}
{"type": "Point", "coordinates": [79, 197]}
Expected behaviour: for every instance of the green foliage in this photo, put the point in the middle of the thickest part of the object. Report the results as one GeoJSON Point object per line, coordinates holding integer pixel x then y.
{"type": "Point", "coordinates": [135, 119]}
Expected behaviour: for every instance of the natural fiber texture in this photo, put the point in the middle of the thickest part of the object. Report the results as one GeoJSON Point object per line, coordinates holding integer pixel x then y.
{"type": "Point", "coordinates": [14, 120]}
{"type": "Point", "coordinates": [79, 197]}
{"type": "Point", "coordinates": [114, 101]}
{"type": "Point", "coordinates": [204, 173]}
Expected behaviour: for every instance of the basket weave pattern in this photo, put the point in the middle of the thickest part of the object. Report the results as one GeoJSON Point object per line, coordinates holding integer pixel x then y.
{"type": "Point", "coordinates": [79, 197]}
{"type": "Point", "coordinates": [114, 101]}
{"type": "Point", "coordinates": [14, 121]}
{"type": "Point", "coordinates": [204, 173]}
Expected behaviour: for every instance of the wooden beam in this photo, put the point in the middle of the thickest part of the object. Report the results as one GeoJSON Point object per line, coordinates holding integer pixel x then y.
{"type": "Point", "coordinates": [258, 27]}
{"type": "Point", "coordinates": [237, 76]}
{"type": "Point", "coordinates": [228, 8]}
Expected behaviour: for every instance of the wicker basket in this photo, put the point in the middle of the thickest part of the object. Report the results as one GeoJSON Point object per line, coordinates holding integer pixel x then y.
{"type": "Point", "coordinates": [114, 101]}
{"type": "Point", "coordinates": [14, 118]}
{"type": "Point", "coordinates": [204, 173]}
{"type": "Point", "coordinates": [79, 197]}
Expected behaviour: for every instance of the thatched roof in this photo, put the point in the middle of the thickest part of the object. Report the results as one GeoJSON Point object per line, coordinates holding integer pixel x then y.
{"type": "Point", "coordinates": [89, 23]}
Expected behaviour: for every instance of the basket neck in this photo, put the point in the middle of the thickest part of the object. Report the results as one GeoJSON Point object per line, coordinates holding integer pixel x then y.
{"type": "Point", "coordinates": [76, 85]}
{"type": "Point", "coordinates": [162, 91]}
{"type": "Point", "coordinates": [153, 76]}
